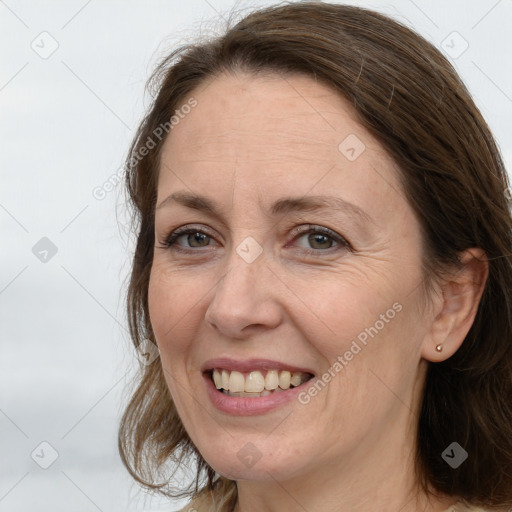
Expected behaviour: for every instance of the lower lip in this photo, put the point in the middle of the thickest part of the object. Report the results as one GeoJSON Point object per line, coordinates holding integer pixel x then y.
{"type": "Point", "coordinates": [241, 406]}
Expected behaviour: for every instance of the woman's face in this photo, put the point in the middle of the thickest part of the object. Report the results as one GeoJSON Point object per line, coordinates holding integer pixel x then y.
{"type": "Point", "coordinates": [302, 256]}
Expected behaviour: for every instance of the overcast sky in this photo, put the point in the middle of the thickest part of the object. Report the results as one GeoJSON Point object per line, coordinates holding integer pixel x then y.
{"type": "Point", "coordinates": [71, 95]}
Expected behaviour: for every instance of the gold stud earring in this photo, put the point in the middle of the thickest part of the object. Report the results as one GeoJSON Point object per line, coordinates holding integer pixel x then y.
{"type": "Point", "coordinates": [439, 348]}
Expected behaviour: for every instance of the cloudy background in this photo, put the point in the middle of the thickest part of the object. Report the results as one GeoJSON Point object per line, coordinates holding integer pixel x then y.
{"type": "Point", "coordinates": [71, 95]}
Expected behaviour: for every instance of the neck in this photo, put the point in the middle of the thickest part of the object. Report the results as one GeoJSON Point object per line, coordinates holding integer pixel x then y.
{"type": "Point", "coordinates": [326, 491]}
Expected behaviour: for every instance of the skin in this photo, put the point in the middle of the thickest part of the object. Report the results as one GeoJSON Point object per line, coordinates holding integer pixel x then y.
{"type": "Point", "coordinates": [351, 446]}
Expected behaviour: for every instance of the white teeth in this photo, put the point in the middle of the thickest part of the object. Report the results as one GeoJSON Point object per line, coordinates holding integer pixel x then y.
{"type": "Point", "coordinates": [255, 383]}
{"type": "Point", "coordinates": [236, 382]}
{"type": "Point", "coordinates": [217, 379]}
{"type": "Point", "coordinates": [284, 379]}
{"type": "Point", "coordinates": [295, 379]}
{"type": "Point", "coordinates": [224, 378]}
{"type": "Point", "coordinates": [272, 379]}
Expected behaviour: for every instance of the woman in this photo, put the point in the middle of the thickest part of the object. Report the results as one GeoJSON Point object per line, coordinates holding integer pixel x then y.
{"type": "Point", "coordinates": [323, 261]}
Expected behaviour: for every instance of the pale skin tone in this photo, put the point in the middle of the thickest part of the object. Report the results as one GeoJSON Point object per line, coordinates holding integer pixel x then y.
{"type": "Point", "coordinates": [250, 141]}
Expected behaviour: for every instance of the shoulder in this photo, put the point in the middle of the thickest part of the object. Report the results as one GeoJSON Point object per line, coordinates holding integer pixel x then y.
{"type": "Point", "coordinates": [191, 507]}
{"type": "Point", "coordinates": [462, 506]}
{"type": "Point", "coordinates": [201, 503]}
{"type": "Point", "coordinates": [208, 500]}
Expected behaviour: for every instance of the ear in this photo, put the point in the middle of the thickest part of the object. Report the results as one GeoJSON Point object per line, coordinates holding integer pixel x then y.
{"type": "Point", "coordinates": [456, 309]}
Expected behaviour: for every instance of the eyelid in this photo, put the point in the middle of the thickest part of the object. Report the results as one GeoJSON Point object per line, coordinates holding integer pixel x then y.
{"type": "Point", "coordinates": [315, 228]}
{"type": "Point", "coordinates": [170, 238]}
{"type": "Point", "coordinates": [184, 230]}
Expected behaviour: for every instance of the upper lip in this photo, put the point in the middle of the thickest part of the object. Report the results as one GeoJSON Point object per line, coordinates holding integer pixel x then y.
{"type": "Point", "coordinates": [248, 365]}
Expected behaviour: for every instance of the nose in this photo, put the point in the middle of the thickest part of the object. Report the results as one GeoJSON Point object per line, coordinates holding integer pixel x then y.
{"type": "Point", "coordinates": [245, 300]}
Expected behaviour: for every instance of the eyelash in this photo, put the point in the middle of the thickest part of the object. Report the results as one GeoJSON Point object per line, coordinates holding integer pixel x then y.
{"type": "Point", "coordinates": [170, 240]}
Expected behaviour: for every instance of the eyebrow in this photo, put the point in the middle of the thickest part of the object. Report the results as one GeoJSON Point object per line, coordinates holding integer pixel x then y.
{"type": "Point", "coordinates": [279, 207]}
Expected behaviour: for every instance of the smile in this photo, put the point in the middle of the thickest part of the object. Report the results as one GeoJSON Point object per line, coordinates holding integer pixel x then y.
{"type": "Point", "coordinates": [256, 383]}
{"type": "Point", "coordinates": [252, 386]}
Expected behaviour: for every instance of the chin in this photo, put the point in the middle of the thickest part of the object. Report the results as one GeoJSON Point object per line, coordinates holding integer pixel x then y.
{"type": "Point", "coordinates": [252, 457]}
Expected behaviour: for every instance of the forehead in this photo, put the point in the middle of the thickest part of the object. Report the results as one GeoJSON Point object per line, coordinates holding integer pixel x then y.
{"type": "Point", "coordinates": [273, 133]}
{"type": "Point", "coordinates": [281, 112]}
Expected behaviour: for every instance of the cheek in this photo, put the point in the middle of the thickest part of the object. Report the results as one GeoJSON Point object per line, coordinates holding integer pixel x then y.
{"type": "Point", "coordinates": [363, 325]}
{"type": "Point", "coordinates": [174, 311]}
{"type": "Point", "coordinates": [174, 308]}
{"type": "Point", "coordinates": [336, 308]}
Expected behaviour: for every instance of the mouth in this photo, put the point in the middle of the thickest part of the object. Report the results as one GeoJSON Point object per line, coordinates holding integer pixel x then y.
{"type": "Point", "coordinates": [256, 383]}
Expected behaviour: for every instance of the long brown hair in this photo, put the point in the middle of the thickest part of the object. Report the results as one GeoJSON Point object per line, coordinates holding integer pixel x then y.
{"type": "Point", "coordinates": [408, 95]}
